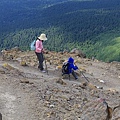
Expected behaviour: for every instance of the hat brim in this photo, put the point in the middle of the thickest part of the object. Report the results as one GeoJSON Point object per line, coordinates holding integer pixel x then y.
{"type": "Point", "coordinates": [42, 38]}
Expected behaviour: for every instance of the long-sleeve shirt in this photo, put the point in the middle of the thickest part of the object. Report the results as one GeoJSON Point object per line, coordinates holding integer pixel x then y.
{"type": "Point", "coordinates": [38, 46]}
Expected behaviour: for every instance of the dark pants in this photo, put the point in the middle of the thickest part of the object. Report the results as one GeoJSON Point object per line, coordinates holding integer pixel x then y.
{"type": "Point", "coordinates": [40, 59]}
{"type": "Point", "coordinates": [74, 74]}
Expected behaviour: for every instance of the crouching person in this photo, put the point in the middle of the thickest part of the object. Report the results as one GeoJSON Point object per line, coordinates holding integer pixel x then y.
{"type": "Point", "coordinates": [69, 67]}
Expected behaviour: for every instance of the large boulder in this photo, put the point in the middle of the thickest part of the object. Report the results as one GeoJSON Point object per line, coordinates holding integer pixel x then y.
{"type": "Point", "coordinates": [78, 52]}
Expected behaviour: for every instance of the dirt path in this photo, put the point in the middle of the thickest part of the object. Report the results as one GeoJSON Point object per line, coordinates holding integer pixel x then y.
{"type": "Point", "coordinates": [16, 98]}
{"type": "Point", "coordinates": [15, 103]}
{"type": "Point", "coordinates": [35, 97]}
{"type": "Point", "coordinates": [106, 73]}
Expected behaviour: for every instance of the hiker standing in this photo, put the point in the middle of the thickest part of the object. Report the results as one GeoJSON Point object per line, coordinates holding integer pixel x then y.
{"type": "Point", "coordinates": [71, 67]}
{"type": "Point", "coordinates": [39, 50]}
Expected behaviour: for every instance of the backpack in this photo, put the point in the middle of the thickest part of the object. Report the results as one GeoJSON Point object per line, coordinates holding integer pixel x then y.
{"type": "Point", "coordinates": [32, 45]}
{"type": "Point", "coordinates": [65, 68]}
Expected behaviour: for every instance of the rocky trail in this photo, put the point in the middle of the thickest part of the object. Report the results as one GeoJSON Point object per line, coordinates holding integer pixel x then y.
{"type": "Point", "coordinates": [28, 94]}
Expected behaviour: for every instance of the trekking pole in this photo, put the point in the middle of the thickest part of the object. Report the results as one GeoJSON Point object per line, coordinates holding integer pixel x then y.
{"type": "Point", "coordinates": [46, 66]}
{"type": "Point", "coordinates": [84, 76]}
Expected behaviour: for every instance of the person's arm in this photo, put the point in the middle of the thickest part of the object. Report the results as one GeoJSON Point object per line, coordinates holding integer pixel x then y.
{"type": "Point", "coordinates": [74, 67]}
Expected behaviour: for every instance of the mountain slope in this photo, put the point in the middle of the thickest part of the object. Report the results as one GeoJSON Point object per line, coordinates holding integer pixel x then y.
{"type": "Point", "coordinates": [28, 94]}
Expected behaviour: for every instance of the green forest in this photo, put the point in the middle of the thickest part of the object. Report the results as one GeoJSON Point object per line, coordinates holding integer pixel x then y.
{"type": "Point", "coordinates": [92, 26]}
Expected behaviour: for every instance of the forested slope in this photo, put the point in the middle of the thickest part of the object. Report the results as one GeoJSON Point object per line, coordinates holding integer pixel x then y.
{"type": "Point", "coordinates": [92, 26]}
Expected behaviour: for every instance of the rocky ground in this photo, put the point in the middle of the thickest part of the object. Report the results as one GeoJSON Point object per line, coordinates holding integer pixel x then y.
{"type": "Point", "coordinates": [28, 94]}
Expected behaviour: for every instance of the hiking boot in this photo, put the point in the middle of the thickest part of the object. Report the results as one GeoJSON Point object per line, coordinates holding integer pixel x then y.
{"type": "Point", "coordinates": [76, 78]}
{"type": "Point", "coordinates": [43, 71]}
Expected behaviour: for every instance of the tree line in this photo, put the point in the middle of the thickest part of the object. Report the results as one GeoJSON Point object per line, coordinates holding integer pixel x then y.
{"type": "Point", "coordinates": [68, 25]}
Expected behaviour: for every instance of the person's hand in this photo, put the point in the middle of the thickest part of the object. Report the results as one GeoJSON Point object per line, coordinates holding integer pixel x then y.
{"type": "Point", "coordinates": [43, 50]}
{"type": "Point", "coordinates": [76, 67]}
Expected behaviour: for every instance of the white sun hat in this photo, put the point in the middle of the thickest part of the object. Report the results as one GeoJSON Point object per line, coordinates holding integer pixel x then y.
{"type": "Point", "coordinates": [42, 37]}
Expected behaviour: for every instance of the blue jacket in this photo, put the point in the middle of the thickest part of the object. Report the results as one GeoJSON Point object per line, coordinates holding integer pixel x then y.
{"type": "Point", "coordinates": [71, 65]}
